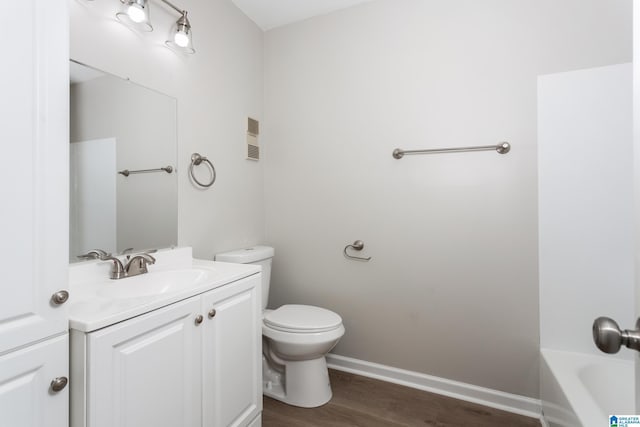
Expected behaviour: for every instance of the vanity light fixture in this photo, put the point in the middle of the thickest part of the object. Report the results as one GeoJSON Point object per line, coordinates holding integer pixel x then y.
{"type": "Point", "coordinates": [180, 35]}
{"type": "Point", "coordinates": [135, 13]}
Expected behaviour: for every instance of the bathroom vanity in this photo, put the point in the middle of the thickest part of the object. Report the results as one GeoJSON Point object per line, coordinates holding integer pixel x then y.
{"type": "Point", "coordinates": [178, 346]}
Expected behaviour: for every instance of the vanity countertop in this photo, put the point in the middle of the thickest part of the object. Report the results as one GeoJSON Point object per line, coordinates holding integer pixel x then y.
{"type": "Point", "coordinates": [97, 301]}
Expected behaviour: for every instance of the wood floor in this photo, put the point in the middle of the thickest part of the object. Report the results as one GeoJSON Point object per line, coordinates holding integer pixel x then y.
{"type": "Point", "coordinates": [365, 402]}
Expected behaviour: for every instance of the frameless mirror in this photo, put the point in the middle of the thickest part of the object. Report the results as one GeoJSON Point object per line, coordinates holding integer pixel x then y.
{"type": "Point", "coordinates": [123, 181]}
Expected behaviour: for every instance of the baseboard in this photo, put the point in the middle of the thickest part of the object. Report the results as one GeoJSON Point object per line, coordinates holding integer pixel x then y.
{"type": "Point", "coordinates": [484, 396]}
{"type": "Point", "coordinates": [543, 421]}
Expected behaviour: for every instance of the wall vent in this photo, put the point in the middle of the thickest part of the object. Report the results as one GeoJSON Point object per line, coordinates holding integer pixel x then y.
{"type": "Point", "coordinates": [253, 130]}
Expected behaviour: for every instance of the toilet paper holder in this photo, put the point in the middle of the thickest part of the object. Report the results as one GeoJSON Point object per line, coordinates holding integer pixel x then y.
{"type": "Point", "coordinates": [358, 245]}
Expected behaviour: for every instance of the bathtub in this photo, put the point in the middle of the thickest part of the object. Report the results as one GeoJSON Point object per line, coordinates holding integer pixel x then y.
{"type": "Point", "coordinates": [582, 390]}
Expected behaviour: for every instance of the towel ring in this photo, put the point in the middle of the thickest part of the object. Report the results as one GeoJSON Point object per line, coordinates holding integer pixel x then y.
{"type": "Point", "coordinates": [196, 160]}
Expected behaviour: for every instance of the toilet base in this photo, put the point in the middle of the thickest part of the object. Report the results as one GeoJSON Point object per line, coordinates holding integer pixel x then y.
{"type": "Point", "coordinates": [304, 383]}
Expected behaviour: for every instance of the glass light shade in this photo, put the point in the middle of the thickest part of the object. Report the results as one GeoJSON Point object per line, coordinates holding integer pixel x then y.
{"type": "Point", "coordinates": [135, 14]}
{"type": "Point", "coordinates": [180, 37]}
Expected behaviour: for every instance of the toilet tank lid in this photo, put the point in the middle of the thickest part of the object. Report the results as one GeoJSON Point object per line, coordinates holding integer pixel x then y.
{"type": "Point", "coordinates": [246, 255]}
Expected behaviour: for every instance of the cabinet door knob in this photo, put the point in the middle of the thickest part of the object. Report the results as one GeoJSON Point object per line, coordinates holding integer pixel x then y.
{"type": "Point", "coordinates": [199, 319]}
{"type": "Point", "coordinates": [212, 313]}
{"type": "Point", "coordinates": [58, 384]}
{"type": "Point", "coordinates": [60, 297]}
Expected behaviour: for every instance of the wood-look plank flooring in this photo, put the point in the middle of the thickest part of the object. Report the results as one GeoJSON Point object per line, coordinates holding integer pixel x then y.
{"type": "Point", "coordinates": [364, 402]}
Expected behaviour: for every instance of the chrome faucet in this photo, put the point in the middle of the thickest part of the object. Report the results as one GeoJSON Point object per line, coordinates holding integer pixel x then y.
{"type": "Point", "coordinates": [135, 265]}
{"type": "Point", "coordinates": [138, 264]}
{"type": "Point", "coordinates": [117, 269]}
{"type": "Point", "coordinates": [94, 254]}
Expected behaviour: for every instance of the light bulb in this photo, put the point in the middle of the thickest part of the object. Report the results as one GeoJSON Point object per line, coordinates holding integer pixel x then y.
{"type": "Point", "coordinates": [181, 39]}
{"type": "Point", "coordinates": [136, 13]}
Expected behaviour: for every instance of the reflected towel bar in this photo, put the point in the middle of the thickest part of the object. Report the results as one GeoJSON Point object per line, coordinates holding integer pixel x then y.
{"type": "Point", "coordinates": [502, 148]}
{"type": "Point", "coordinates": [127, 172]}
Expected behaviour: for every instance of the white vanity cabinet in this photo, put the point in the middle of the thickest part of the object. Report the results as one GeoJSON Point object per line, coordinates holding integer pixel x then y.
{"type": "Point", "coordinates": [232, 354]}
{"type": "Point", "coordinates": [193, 363]}
{"type": "Point", "coordinates": [142, 372]}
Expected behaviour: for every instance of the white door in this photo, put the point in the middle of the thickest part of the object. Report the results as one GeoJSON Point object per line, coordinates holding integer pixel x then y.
{"type": "Point", "coordinates": [636, 149]}
{"type": "Point", "coordinates": [27, 398]}
{"type": "Point", "coordinates": [34, 173]}
{"type": "Point", "coordinates": [147, 371]}
{"type": "Point", "coordinates": [232, 348]}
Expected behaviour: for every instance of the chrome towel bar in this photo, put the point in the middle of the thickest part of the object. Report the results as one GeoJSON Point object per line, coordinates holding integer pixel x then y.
{"type": "Point", "coordinates": [502, 148]}
{"type": "Point", "coordinates": [127, 172]}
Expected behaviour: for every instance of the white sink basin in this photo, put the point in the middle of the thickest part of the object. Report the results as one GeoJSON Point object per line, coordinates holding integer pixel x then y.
{"type": "Point", "coordinates": [156, 283]}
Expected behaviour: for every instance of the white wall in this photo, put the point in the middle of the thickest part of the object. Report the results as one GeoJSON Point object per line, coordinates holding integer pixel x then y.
{"type": "Point", "coordinates": [452, 289]}
{"type": "Point", "coordinates": [585, 204]}
{"type": "Point", "coordinates": [217, 89]}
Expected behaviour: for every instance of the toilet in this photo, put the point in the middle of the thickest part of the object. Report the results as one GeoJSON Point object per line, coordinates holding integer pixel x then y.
{"type": "Point", "coordinates": [295, 340]}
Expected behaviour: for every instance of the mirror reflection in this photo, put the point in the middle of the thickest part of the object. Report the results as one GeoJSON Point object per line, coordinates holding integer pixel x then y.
{"type": "Point", "coordinates": [117, 127]}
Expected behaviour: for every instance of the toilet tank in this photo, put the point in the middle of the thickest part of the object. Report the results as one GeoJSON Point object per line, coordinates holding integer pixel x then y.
{"type": "Point", "coordinates": [260, 255]}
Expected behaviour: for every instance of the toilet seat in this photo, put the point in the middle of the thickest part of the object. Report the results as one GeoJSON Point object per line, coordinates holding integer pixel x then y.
{"type": "Point", "coordinates": [297, 318]}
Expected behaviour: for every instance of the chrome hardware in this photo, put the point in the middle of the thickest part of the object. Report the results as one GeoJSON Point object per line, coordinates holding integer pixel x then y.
{"type": "Point", "coordinates": [196, 160]}
{"type": "Point", "coordinates": [60, 297]}
{"type": "Point", "coordinates": [502, 148]}
{"type": "Point", "coordinates": [117, 269]}
{"type": "Point", "coordinates": [134, 266]}
{"type": "Point", "coordinates": [358, 245]}
{"type": "Point", "coordinates": [137, 264]}
{"type": "Point", "coordinates": [58, 384]}
{"type": "Point", "coordinates": [127, 172]}
{"type": "Point", "coordinates": [609, 337]}
{"type": "Point", "coordinates": [94, 254]}
{"type": "Point", "coordinates": [199, 319]}
{"type": "Point", "coordinates": [212, 313]}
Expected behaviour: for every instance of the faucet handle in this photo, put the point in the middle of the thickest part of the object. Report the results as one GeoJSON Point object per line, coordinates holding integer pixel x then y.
{"type": "Point", "coordinates": [137, 264]}
{"type": "Point", "coordinates": [148, 258]}
{"type": "Point", "coordinates": [94, 254]}
{"type": "Point", "coordinates": [117, 269]}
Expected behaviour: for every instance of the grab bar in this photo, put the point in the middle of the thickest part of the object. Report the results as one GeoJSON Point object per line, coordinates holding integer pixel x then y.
{"type": "Point", "coordinates": [358, 245]}
{"type": "Point", "coordinates": [127, 172]}
{"type": "Point", "coordinates": [502, 148]}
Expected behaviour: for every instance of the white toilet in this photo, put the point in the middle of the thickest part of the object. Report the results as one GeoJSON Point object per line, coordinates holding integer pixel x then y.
{"type": "Point", "coordinates": [295, 340]}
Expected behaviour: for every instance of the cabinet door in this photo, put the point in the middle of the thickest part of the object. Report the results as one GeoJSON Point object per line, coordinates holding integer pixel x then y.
{"type": "Point", "coordinates": [146, 372]}
{"type": "Point", "coordinates": [34, 174]}
{"type": "Point", "coordinates": [232, 351]}
{"type": "Point", "coordinates": [26, 396]}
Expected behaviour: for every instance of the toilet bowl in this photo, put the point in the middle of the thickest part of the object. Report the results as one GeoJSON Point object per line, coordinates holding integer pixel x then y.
{"type": "Point", "coordinates": [295, 341]}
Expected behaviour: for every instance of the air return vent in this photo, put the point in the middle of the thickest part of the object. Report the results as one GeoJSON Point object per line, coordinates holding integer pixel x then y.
{"type": "Point", "coordinates": [253, 130]}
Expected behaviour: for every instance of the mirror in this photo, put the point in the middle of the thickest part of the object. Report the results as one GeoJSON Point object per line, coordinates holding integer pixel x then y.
{"type": "Point", "coordinates": [119, 126]}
